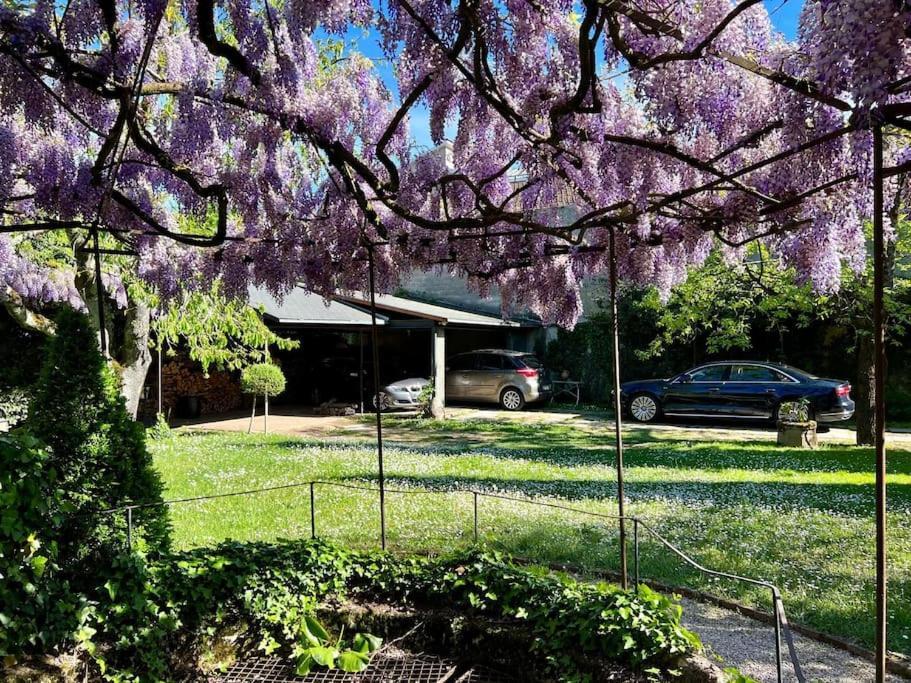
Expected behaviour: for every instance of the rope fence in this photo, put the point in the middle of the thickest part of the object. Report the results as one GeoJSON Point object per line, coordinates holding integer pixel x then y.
{"type": "Point", "coordinates": [640, 527]}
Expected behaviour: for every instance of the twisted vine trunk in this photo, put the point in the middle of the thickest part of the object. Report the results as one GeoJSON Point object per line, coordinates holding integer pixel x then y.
{"type": "Point", "coordinates": [135, 355]}
{"type": "Point", "coordinates": [127, 332]}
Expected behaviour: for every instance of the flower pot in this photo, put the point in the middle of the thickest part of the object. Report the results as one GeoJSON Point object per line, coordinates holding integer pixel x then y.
{"type": "Point", "coordinates": [797, 434]}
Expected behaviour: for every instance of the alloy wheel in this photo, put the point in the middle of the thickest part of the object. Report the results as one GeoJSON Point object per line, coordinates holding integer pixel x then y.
{"type": "Point", "coordinates": [512, 399]}
{"type": "Point", "coordinates": [384, 401]}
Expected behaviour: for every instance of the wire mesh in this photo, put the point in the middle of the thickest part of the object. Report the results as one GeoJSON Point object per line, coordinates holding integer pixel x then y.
{"type": "Point", "coordinates": [384, 668]}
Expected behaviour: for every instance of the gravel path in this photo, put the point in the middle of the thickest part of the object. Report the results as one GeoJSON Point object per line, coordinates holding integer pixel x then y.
{"type": "Point", "coordinates": [750, 645]}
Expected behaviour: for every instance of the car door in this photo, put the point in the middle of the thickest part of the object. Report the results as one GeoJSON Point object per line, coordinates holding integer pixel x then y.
{"type": "Point", "coordinates": [697, 392]}
{"type": "Point", "coordinates": [489, 377]}
{"type": "Point", "coordinates": [753, 390]}
{"type": "Point", "coordinates": [460, 372]}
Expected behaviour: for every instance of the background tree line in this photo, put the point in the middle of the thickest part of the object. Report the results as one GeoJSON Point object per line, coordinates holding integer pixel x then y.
{"type": "Point", "coordinates": [754, 310]}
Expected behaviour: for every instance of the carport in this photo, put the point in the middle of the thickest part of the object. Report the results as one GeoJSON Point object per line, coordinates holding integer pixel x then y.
{"type": "Point", "coordinates": [414, 340]}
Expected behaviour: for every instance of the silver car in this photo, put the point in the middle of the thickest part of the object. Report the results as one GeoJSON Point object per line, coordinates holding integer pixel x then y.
{"type": "Point", "coordinates": [510, 378]}
{"type": "Point", "coordinates": [403, 394]}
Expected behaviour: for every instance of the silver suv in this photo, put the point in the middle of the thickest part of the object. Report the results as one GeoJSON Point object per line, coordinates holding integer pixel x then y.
{"type": "Point", "coordinates": [510, 378]}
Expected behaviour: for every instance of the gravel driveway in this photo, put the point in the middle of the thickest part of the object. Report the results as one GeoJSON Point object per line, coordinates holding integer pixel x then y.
{"type": "Point", "coordinates": [750, 645]}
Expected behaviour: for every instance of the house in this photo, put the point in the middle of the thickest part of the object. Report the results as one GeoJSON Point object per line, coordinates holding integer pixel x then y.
{"type": "Point", "coordinates": [415, 337]}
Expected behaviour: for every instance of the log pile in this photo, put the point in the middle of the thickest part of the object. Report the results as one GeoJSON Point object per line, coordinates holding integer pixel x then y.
{"type": "Point", "coordinates": [333, 408]}
{"type": "Point", "coordinates": [217, 393]}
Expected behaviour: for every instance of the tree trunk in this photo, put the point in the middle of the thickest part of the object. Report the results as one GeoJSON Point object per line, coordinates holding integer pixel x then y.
{"type": "Point", "coordinates": [135, 358]}
{"type": "Point", "coordinates": [88, 290]}
{"type": "Point", "coordinates": [252, 415]}
{"type": "Point", "coordinates": [127, 332]}
{"type": "Point", "coordinates": [864, 393]}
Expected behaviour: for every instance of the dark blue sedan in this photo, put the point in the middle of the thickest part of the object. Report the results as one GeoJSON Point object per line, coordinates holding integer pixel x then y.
{"type": "Point", "coordinates": [738, 389]}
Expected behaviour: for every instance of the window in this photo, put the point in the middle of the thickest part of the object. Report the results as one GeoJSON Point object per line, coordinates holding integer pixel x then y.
{"type": "Point", "coordinates": [461, 363]}
{"type": "Point", "coordinates": [490, 362]}
{"type": "Point", "coordinates": [712, 373]}
{"type": "Point", "coordinates": [531, 361]}
{"type": "Point", "coordinates": [754, 373]}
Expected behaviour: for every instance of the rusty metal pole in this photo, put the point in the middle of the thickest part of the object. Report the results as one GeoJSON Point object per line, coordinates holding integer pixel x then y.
{"type": "Point", "coordinates": [360, 372]}
{"type": "Point", "coordinates": [99, 294]}
{"type": "Point", "coordinates": [879, 414]}
{"type": "Point", "coordinates": [618, 434]}
{"type": "Point", "coordinates": [376, 397]}
{"type": "Point", "coordinates": [160, 409]}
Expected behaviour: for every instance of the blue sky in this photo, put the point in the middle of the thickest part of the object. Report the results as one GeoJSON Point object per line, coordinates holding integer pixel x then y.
{"type": "Point", "coordinates": [784, 14]}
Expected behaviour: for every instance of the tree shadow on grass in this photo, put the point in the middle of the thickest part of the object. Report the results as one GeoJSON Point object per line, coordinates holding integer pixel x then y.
{"type": "Point", "coordinates": [682, 455]}
{"type": "Point", "coordinates": [846, 499]}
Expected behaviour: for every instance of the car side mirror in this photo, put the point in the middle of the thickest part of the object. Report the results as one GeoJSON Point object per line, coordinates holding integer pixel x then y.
{"type": "Point", "coordinates": [685, 378]}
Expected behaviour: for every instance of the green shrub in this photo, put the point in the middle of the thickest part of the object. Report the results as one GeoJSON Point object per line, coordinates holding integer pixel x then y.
{"type": "Point", "coordinates": [13, 406]}
{"type": "Point", "coordinates": [262, 379]}
{"type": "Point", "coordinates": [146, 610]}
{"type": "Point", "coordinates": [97, 450]}
{"type": "Point", "coordinates": [37, 610]}
{"type": "Point", "coordinates": [160, 430]}
{"type": "Point", "coordinates": [425, 400]}
{"type": "Point", "coordinates": [567, 618]}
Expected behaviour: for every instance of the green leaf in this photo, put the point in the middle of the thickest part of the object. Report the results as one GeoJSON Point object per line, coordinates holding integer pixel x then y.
{"type": "Point", "coordinates": [352, 661]}
{"type": "Point", "coordinates": [324, 656]}
{"type": "Point", "coordinates": [303, 665]}
{"type": "Point", "coordinates": [366, 642]}
{"type": "Point", "coordinates": [314, 631]}
{"type": "Point", "coordinates": [38, 564]}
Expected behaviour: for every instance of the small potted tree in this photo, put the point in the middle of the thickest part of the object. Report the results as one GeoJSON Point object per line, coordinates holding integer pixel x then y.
{"type": "Point", "coordinates": [795, 428]}
{"type": "Point", "coordinates": [262, 379]}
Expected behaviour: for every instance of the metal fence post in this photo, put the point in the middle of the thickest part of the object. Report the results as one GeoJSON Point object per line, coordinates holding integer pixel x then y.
{"type": "Point", "coordinates": [130, 529]}
{"type": "Point", "coordinates": [475, 496]}
{"type": "Point", "coordinates": [312, 511]}
{"type": "Point", "coordinates": [636, 550]}
{"type": "Point", "coordinates": [777, 618]}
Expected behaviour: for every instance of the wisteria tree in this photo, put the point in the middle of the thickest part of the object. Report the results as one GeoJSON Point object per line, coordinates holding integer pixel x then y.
{"type": "Point", "coordinates": [671, 126]}
{"type": "Point", "coordinates": [134, 119]}
{"type": "Point", "coordinates": [129, 118]}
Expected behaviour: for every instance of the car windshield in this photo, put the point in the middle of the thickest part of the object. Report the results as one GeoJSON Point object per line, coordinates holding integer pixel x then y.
{"type": "Point", "coordinates": [531, 361]}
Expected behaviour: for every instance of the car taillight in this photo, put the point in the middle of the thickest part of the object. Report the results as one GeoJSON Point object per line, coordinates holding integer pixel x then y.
{"type": "Point", "coordinates": [843, 390]}
{"type": "Point", "coordinates": [528, 372]}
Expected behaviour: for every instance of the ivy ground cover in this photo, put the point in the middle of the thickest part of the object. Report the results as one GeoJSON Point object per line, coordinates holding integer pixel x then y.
{"type": "Point", "coordinates": [803, 520]}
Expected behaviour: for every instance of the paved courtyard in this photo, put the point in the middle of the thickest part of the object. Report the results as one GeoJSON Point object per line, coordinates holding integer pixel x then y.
{"type": "Point", "coordinates": [297, 421]}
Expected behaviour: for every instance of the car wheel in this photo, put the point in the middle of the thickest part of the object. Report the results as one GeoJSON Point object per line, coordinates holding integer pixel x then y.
{"type": "Point", "coordinates": [512, 399]}
{"type": "Point", "coordinates": [644, 408]}
{"type": "Point", "coordinates": [384, 402]}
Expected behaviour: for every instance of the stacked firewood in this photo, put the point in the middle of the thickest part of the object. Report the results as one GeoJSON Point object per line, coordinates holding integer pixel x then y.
{"type": "Point", "coordinates": [333, 408]}
{"type": "Point", "coordinates": [217, 393]}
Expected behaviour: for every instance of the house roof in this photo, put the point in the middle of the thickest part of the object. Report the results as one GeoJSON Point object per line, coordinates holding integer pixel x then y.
{"type": "Point", "coordinates": [300, 307]}
{"type": "Point", "coordinates": [420, 309]}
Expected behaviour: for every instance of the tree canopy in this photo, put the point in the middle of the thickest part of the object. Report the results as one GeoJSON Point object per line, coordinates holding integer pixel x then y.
{"type": "Point", "coordinates": [667, 126]}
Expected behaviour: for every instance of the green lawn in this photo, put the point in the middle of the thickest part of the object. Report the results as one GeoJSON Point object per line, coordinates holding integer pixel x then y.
{"type": "Point", "coordinates": [800, 519]}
